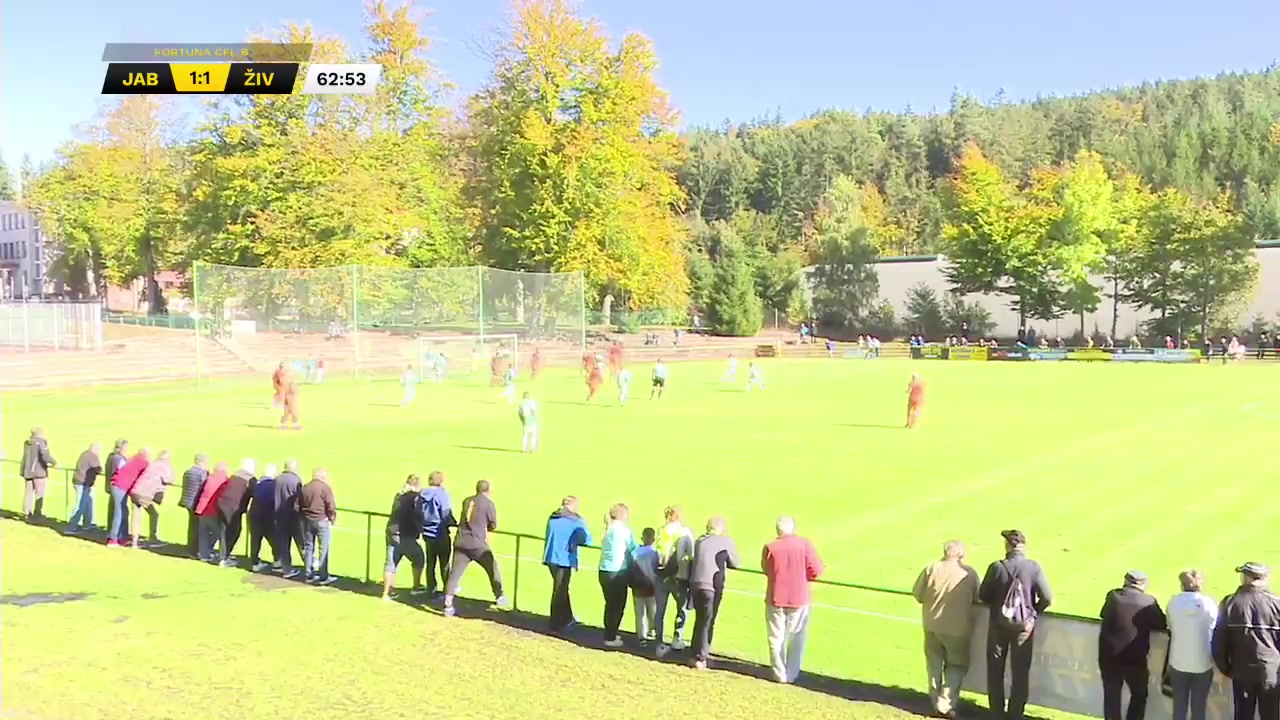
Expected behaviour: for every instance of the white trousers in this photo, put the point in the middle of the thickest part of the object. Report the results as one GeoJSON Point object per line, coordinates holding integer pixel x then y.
{"type": "Point", "coordinates": [787, 628]}
{"type": "Point", "coordinates": [529, 442]}
{"type": "Point", "coordinates": [646, 612]}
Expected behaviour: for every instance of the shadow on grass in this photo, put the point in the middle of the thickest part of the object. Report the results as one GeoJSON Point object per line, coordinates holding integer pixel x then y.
{"type": "Point", "coordinates": [523, 621]}
{"type": "Point", "coordinates": [482, 448]}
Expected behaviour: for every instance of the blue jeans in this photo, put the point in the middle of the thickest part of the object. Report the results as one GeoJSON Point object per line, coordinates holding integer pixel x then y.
{"type": "Point", "coordinates": [119, 510]}
{"type": "Point", "coordinates": [83, 504]}
{"type": "Point", "coordinates": [315, 560]}
{"type": "Point", "coordinates": [1190, 692]}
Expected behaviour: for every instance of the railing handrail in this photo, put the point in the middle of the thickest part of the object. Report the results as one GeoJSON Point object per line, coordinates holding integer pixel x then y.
{"type": "Point", "coordinates": [370, 514]}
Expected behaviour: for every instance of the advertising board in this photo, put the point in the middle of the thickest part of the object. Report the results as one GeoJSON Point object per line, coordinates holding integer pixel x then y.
{"type": "Point", "coordinates": [1047, 354]}
{"type": "Point", "coordinates": [967, 353]}
{"type": "Point", "coordinates": [1089, 354]}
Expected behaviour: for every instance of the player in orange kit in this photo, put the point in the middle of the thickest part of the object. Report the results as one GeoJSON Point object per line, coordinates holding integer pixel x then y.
{"type": "Point", "coordinates": [290, 406]}
{"type": "Point", "coordinates": [535, 366]}
{"type": "Point", "coordinates": [278, 383]}
{"type": "Point", "coordinates": [595, 378]}
{"type": "Point", "coordinates": [915, 400]}
{"type": "Point", "coordinates": [615, 358]}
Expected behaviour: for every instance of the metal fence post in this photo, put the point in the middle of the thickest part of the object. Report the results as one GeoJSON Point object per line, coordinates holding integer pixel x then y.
{"type": "Point", "coordinates": [66, 494]}
{"type": "Point", "coordinates": [368, 540]}
{"type": "Point", "coordinates": [515, 593]}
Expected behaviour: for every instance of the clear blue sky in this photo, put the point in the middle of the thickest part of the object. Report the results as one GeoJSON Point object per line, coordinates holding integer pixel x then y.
{"type": "Point", "coordinates": [734, 59]}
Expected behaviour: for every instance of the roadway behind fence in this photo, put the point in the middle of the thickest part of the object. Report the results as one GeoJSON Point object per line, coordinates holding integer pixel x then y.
{"type": "Point", "coordinates": [862, 633]}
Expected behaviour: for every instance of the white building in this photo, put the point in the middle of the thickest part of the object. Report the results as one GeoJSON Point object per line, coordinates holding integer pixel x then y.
{"type": "Point", "coordinates": [24, 255]}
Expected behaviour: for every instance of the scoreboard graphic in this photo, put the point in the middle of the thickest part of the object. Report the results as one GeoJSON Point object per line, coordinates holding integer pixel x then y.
{"type": "Point", "coordinates": [231, 69]}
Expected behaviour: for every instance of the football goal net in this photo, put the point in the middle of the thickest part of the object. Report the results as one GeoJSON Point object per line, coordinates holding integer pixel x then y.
{"type": "Point", "coordinates": [449, 356]}
{"type": "Point", "coordinates": [361, 321]}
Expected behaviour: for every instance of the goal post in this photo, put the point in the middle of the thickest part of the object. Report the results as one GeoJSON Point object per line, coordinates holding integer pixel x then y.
{"type": "Point", "coordinates": [464, 355]}
{"type": "Point", "coordinates": [363, 321]}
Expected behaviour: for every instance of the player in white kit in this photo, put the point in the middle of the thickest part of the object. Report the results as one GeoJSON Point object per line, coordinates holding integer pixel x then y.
{"type": "Point", "coordinates": [731, 372]}
{"type": "Point", "coordinates": [529, 421]}
{"type": "Point", "coordinates": [409, 382]}
{"type": "Point", "coordinates": [755, 377]}
{"type": "Point", "coordinates": [509, 386]}
{"type": "Point", "coordinates": [624, 385]}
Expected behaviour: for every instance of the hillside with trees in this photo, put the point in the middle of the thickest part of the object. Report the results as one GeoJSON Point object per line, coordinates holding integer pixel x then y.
{"type": "Point", "coordinates": [568, 158]}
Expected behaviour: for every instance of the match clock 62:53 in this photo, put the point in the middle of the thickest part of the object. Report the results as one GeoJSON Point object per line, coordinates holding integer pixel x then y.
{"type": "Point", "coordinates": [344, 79]}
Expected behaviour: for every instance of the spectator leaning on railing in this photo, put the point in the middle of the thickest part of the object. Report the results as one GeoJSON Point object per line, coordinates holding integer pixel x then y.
{"type": "Point", "coordinates": [233, 501]}
{"type": "Point", "coordinates": [121, 485]}
{"type": "Point", "coordinates": [675, 552]}
{"type": "Point", "coordinates": [36, 462]}
{"type": "Point", "coordinates": [262, 520]}
{"type": "Point", "coordinates": [615, 561]}
{"type": "Point", "coordinates": [88, 468]}
{"type": "Point", "coordinates": [1129, 616]}
{"type": "Point", "coordinates": [479, 518]}
{"type": "Point", "coordinates": [207, 510]}
{"type": "Point", "coordinates": [147, 493]}
{"type": "Point", "coordinates": [436, 510]}
{"type": "Point", "coordinates": [947, 591]}
{"type": "Point", "coordinates": [713, 554]}
{"type": "Point", "coordinates": [288, 519]}
{"type": "Point", "coordinates": [192, 484]}
{"type": "Point", "coordinates": [115, 462]}
{"type": "Point", "coordinates": [1246, 644]}
{"type": "Point", "coordinates": [404, 522]}
{"type": "Point", "coordinates": [319, 514]}
{"type": "Point", "coordinates": [566, 532]}
{"type": "Point", "coordinates": [790, 563]}
{"type": "Point", "coordinates": [1016, 592]}
{"type": "Point", "coordinates": [1192, 617]}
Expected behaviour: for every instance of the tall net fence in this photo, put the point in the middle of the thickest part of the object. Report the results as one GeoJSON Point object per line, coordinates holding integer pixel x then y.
{"type": "Point", "coordinates": [362, 320]}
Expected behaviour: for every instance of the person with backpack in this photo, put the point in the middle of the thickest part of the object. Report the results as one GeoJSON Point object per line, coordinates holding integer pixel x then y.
{"type": "Point", "coordinates": [1016, 593]}
{"type": "Point", "coordinates": [675, 556]}
{"type": "Point", "coordinates": [643, 576]}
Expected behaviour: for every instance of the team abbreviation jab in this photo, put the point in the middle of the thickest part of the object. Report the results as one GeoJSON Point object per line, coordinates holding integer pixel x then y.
{"type": "Point", "coordinates": [234, 69]}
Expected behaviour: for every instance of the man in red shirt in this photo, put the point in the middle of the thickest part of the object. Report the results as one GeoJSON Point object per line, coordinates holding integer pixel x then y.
{"type": "Point", "coordinates": [536, 365]}
{"type": "Point", "coordinates": [121, 485]}
{"type": "Point", "coordinates": [594, 380]}
{"type": "Point", "coordinates": [915, 400]}
{"type": "Point", "coordinates": [790, 563]}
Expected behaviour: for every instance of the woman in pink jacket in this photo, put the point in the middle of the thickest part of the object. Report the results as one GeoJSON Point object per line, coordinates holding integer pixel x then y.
{"type": "Point", "coordinates": [147, 492]}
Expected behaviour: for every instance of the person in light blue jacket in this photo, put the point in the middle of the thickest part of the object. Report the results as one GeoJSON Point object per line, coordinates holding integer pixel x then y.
{"type": "Point", "coordinates": [566, 532]}
{"type": "Point", "coordinates": [615, 562]}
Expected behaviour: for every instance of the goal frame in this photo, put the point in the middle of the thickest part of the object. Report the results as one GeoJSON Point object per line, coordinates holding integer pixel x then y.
{"type": "Point", "coordinates": [488, 340]}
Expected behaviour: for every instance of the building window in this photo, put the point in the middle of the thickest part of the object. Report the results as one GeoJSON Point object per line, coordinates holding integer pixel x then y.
{"type": "Point", "coordinates": [22, 222]}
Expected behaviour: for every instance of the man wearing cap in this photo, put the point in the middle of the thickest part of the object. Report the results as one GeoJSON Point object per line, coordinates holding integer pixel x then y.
{"type": "Point", "coordinates": [1016, 592]}
{"type": "Point", "coordinates": [1246, 644]}
{"type": "Point", "coordinates": [1129, 616]}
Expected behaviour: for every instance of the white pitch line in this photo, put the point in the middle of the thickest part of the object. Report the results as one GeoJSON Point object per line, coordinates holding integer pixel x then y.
{"type": "Point", "coordinates": [1252, 409]}
{"type": "Point", "coordinates": [744, 593]}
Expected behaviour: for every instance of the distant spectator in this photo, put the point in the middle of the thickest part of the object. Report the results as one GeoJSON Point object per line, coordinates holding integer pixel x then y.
{"type": "Point", "coordinates": [233, 501]}
{"type": "Point", "coordinates": [121, 485]}
{"type": "Point", "coordinates": [147, 494]}
{"type": "Point", "coordinates": [947, 590]}
{"type": "Point", "coordinates": [403, 526]}
{"type": "Point", "coordinates": [566, 532]}
{"type": "Point", "coordinates": [675, 555]}
{"type": "Point", "coordinates": [288, 519]}
{"type": "Point", "coordinates": [790, 563]}
{"type": "Point", "coordinates": [115, 461]}
{"type": "Point", "coordinates": [479, 518]}
{"type": "Point", "coordinates": [615, 559]}
{"type": "Point", "coordinates": [643, 577]}
{"type": "Point", "coordinates": [1246, 644]}
{"type": "Point", "coordinates": [192, 485]}
{"type": "Point", "coordinates": [1192, 617]}
{"type": "Point", "coordinates": [88, 468]}
{"type": "Point", "coordinates": [1129, 616]}
{"type": "Point", "coordinates": [207, 511]}
{"type": "Point", "coordinates": [1016, 592]}
{"type": "Point", "coordinates": [713, 554]}
{"type": "Point", "coordinates": [1135, 343]}
{"type": "Point", "coordinates": [36, 462]}
{"type": "Point", "coordinates": [319, 513]}
{"type": "Point", "coordinates": [262, 520]}
{"type": "Point", "coordinates": [1264, 342]}
{"type": "Point", "coordinates": [436, 510]}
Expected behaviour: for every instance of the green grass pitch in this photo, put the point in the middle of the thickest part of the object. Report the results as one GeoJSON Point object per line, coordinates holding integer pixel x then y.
{"type": "Point", "coordinates": [1105, 467]}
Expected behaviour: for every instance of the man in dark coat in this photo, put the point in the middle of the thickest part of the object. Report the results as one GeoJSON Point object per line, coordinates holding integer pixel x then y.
{"type": "Point", "coordinates": [36, 463]}
{"type": "Point", "coordinates": [288, 522]}
{"type": "Point", "coordinates": [1129, 616]}
{"type": "Point", "coordinates": [233, 501]}
{"type": "Point", "coordinates": [192, 485]}
{"type": "Point", "coordinates": [1016, 592]}
{"type": "Point", "coordinates": [88, 468]}
{"type": "Point", "coordinates": [1246, 644]}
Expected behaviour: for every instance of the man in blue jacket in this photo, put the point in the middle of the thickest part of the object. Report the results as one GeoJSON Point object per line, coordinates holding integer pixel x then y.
{"type": "Point", "coordinates": [437, 518]}
{"type": "Point", "coordinates": [566, 532]}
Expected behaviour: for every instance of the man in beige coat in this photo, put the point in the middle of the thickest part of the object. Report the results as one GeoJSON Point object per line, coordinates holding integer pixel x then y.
{"type": "Point", "coordinates": [947, 591]}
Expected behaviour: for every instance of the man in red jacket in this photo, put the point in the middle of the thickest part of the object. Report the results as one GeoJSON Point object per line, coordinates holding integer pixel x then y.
{"type": "Point", "coordinates": [207, 511]}
{"type": "Point", "coordinates": [121, 485]}
{"type": "Point", "coordinates": [790, 563]}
